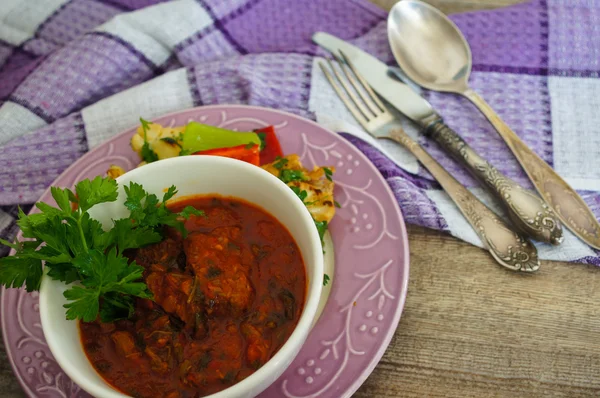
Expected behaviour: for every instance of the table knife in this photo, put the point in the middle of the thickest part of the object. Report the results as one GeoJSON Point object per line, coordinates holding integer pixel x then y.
{"type": "Point", "coordinates": [527, 211]}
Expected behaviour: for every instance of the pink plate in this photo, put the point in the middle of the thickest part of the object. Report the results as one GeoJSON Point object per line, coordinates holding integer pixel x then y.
{"type": "Point", "coordinates": [369, 284]}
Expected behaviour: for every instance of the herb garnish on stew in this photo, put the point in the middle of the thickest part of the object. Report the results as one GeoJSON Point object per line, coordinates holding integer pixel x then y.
{"type": "Point", "coordinates": [75, 248]}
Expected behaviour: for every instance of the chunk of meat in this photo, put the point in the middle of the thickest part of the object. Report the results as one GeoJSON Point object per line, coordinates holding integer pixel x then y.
{"type": "Point", "coordinates": [169, 253]}
{"type": "Point", "coordinates": [158, 363]}
{"type": "Point", "coordinates": [218, 363]}
{"type": "Point", "coordinates": [257, 352]}
{"type": "Point", "coordinates": [161, 341]}
{"type": "Point", "coordinates": [223, 277]}
{"type": "Point", "coordinates": [178, 294]}
{"type": "Point", "coordinates": [124, 343]}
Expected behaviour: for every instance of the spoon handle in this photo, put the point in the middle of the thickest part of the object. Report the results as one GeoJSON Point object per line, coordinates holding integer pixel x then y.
{"type": "Point", "coordinates": [528, 212]}
{"type": "Point", "coordinates": [509, 248]}
{"type": "Point", "coordinates": [566, 203]}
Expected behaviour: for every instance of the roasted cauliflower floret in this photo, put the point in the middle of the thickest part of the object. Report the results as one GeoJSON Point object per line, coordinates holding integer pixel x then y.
{"type": "Point", "coordinates": [318, 187]}
{"type": "Point", "coordinates": [164, 141]}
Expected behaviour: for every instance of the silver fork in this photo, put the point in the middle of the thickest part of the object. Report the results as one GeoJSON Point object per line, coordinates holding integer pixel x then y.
{"type": "Point", "coordinates": [509, 248]}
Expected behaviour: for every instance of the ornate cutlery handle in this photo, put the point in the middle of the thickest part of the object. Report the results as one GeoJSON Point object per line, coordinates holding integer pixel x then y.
{"type": "Point", "coordinates": [528, 212]}
{"type": "Point", "coordinates": [508, 247]}
{"type": "Point", "coordinates": [563, 199]}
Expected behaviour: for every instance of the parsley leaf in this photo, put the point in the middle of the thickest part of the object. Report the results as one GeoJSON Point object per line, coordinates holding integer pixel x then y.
{"type": "Point", "coordinates": [16, 272]}
{"type": "Point", "coordinates": [75, 248]}
{"type": "Point", "coordinates": [54, 233]}
{"type": "Point", "coordinates": [10, 244]}
{"type": "Point", "coordinates": [96, 191]}
{"type": "Point", "coordinates": [145, 126]}
{"type": "Point", "coordinates": [189, 211]}
{"type": "Point", "coordinates": [104, 274]}
{"type": "Point", "coordinates": [321, 228]}
{"type": "Point", "coordinates": [280, 162]}
{"type": "Point", "coordinates": [172, 191]}
{"type": "Point", "coordinates": [135, 194]}
{"type": "Point", "coordinates": [326, 279]}
{"type": "Point", "coordinates": [28, 223]}
{"type": "Point", "coordinates": [147, 211]}
{"type": "Point", "coordinates": [47, 254]}
{"type": "Point", "coordinates": [125, 236]}
{"type": "Point", "coordinates": [84, 303]}
{"type": "Point", "coordinates": [301, 194]}
{"type": "Point", "coordinates": [64, 272]}
{"type": "Point", "coordinates": [288, 175]}
{"type": "Point", "coordinates": [328, 173]}
{"type": "Point", "coordinates": [61, 196]}
{"type": "Point", "coordinates": [148, 155]}
{"type": "Point", "coordinates": [48, 210]}
{"type": "Point", "coordinates": [337, 204]}
{"type": "Point", "coordinates": [116, 306]}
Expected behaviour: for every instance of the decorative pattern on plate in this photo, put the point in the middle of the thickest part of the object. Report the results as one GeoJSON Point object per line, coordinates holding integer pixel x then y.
{"type": "Point", "coordinates": [368, 290]}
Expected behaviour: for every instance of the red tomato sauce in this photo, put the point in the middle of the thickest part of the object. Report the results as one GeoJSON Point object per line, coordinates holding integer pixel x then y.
{"type": "Point", "coordinates": [226, 299]}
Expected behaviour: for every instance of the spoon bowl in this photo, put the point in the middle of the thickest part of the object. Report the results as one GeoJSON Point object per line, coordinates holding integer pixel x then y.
{"type": "Point", "coordinates": [433, 53]}
{"type": "Point", "coordinates": [429, 47]}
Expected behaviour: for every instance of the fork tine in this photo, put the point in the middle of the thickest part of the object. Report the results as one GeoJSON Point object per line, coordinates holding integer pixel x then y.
{"type": "Point", "coordinates": [350, 93]}
{"type": "Point", "coordinates": [353, 109]}
{"type": "Point", "coordinates": [364, 83]}
{"type": "Point", "coordinates": [373, 107]}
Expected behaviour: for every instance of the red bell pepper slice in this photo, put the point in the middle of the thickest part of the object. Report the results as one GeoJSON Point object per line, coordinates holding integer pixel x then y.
{"type": "Point", "coordinates": [246, 153]}
{"type": "Point", "coordinates": [272, 148]}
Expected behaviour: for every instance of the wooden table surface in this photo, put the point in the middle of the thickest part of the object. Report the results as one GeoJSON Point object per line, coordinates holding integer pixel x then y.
{"type": "Point", "coordinates": [472, 329]}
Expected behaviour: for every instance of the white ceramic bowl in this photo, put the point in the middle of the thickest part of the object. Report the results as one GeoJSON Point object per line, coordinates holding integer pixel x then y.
{"type": "Point", "coordinates": [196, 175]}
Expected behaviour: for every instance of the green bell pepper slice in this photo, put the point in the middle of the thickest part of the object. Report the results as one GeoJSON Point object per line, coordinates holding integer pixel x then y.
{"type": "Point", "coordinates": [201, 137]}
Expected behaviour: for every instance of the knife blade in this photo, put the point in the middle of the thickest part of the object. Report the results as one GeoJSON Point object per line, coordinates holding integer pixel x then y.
{"type": "Point", "coordinates": [398, 94]}
{"type": "Point", "coordinates": [524, 206]}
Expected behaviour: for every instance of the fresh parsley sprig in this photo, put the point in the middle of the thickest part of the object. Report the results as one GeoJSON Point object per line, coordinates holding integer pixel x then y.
{"type": "Point", "coordinates": [75, 248]}
{"type": "Point", "coordinates": [148, 154]}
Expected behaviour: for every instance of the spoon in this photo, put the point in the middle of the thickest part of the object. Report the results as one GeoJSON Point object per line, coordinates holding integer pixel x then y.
{"type": "Point", "coordinates": [434, 54]}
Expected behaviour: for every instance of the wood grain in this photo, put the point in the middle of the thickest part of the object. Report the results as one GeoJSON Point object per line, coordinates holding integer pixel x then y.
{"type": "Point", "coordinates": [472, 329]}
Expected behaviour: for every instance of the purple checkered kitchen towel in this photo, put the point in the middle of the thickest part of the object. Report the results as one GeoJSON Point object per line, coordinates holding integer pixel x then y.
{"type": "Point", "coordinates": [75, 72]}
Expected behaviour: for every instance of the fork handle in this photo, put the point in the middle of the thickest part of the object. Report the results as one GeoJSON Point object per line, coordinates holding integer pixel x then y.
{"type": "Point", "coordinates": [509, 248]}
{"type": "Point", "coordinates": [570, 207]}
{"type": "Point", "coordinates": [527, 211]}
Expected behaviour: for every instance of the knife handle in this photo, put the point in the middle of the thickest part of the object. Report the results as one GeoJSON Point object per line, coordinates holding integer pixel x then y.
{"type": "Point", "coordinates": [509, 248]}
{"type": "Point", "coordinates": [527, 211]}
{"type": "Point", "coordinates": [570, 207]}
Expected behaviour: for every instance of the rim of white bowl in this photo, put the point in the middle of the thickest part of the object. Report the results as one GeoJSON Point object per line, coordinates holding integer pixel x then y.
{"type": "Point", "coordinates": [302, 329]}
